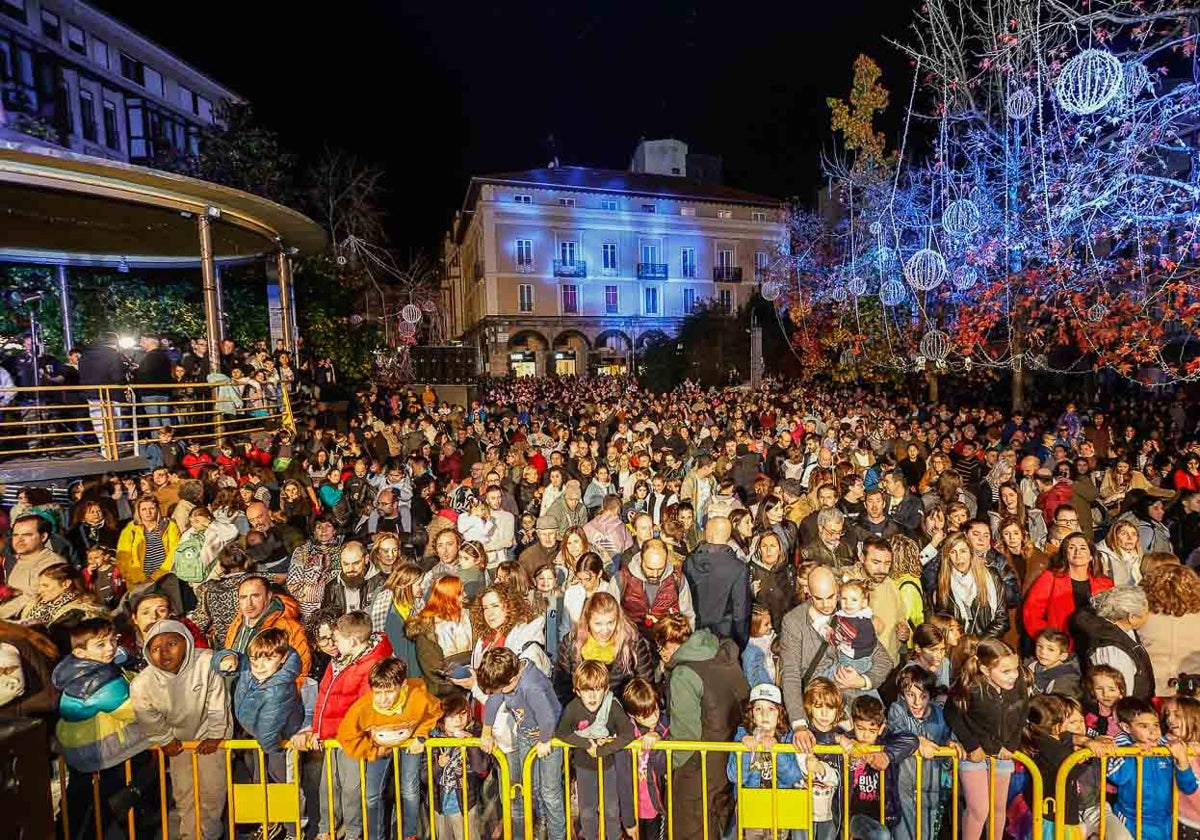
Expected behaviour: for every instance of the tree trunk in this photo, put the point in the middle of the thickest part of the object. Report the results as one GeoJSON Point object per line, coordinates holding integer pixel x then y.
{"type": "Point", "coordinates": [931, 376]}
{"type": "Point", "coordinates": [1019, 383]}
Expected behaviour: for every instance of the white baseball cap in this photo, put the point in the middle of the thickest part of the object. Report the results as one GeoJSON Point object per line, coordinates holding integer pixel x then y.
{"type": "Point", "coordinates": [766, 691]}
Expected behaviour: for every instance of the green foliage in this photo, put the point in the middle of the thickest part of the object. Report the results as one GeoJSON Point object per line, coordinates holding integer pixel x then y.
{"type": "Point", "coordinates": [324, 306]}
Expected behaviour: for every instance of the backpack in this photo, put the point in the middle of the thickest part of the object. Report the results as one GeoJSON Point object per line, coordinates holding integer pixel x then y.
{"type": "Point", "coordinates": [188, 563]}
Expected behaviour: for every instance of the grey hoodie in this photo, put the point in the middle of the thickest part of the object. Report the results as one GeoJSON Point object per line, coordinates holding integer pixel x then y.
{"type": "Point", "coordinates": [191, 705]}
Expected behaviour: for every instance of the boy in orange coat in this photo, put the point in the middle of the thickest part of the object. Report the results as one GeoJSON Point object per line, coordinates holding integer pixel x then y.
{"type": "Point", "coordinates": [396, 710]}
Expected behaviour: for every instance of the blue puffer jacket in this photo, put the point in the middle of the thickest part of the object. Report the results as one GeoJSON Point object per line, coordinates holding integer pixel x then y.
{"type": "Point", "coordinates": [97, 727]}
{"type": "Point", "coordinates": [787, 768]}
{"type": "Point", "coordinates": [271, 711]}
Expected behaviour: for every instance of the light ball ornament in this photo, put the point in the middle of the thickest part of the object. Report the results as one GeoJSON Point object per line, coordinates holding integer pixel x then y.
{"type": "Point", "coordinates": [839, 294]}
{"type": "Point", "coordinates": [965, 277]}
{"type": "Point", "coordinates": [411, 313]}
{"type": "Point", "coordinates": [771, 290]}
{"type": "Point", "coordinates": [925, 270]}
{"type": "Point", "coordinates": [1021, 103]}
{"type": "Point", "coordinates": [406, 330]}
{"type": "Point", "coordinates": [892, 293]}
{"type": "Point", "coordinates": [356, 319]}
{"type": "Point", "coordinates": [876, 228]}
{"type": "Point", "coordinates": [961, 217]}
{"type": "Point", "coordinates": [429, 306]}
{"type": "Point", "coordinates": [935, 345]}
{"type": "Point", "coordinates": [1136, 80]}
{"type": "Point", "coordinates": [1089, 82]}
{"type": "Point", "coordinates": [1097, 312]}
{"type": "Point", "coordinates": [857, 286]}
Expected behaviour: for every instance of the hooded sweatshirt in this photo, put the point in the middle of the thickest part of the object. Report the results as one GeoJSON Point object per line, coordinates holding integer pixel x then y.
{"type": "Point", "coordinates": [191, 705]}
{"type": "Point", "coordinates": [705, 691]}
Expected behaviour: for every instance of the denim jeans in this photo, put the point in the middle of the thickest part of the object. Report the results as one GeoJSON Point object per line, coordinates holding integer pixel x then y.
{"type": "Point", "coordinates": [410, 792]}
{"type": "Point", "coordinates": [931, 796]}
{"type": "Point", "coordinates": [547, 790]}
{"type": "Point", "coordinates": [347, 796]}
{"type": "Point", "coordinates": [155, 410]}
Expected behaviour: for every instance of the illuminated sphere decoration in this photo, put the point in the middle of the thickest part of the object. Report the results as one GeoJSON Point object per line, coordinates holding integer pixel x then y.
{"type": "Point", "coordinates": [961, 217]}
{"type": "Point", "coordinates": [1021, 103]}
{"type": "Point", "coordinates": [771, 290]}
{"type": "Point", "coordinates": [1136, 80]}
{"type": "Point", "coordinates": [935, 345]}
{"type": "Point", "coordinates": [839, 294]}
{"type": "Point", "coordinates": [406, 330]}
{"type": "Point", "coordinates": [925, 270]}
{"type": "Point", "coordinates": [411, 313]}
{"type": "Point", "coordinates": [965, 277]}
{"type": "Point", "coordinates": [1097, 312]}
{"type": "Point", "coordinates": [875, 228]}
{"type": "Point", "coordinates": [1089, 81]}
{"type": "Point", "coordinates": [430, 306]}
{"type": "Point", "coordinates": [892, 293]}
{"type": "Point", "coordinates": [356, 319]}
{"type": "Point", "coordinates": [857, 286]}
{"type": "Point", "coordinates": [886, 258]}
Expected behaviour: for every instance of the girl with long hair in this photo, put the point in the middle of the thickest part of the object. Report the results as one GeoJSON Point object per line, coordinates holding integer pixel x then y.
{"type": "Point", "coordinates": [970, 590]}
{"type": "Point", "coordinates": [443, 634]}
{"type": "Point", "coordinates": [1120, 553]}
{"type": "Point", "coordinates": [604, 634]}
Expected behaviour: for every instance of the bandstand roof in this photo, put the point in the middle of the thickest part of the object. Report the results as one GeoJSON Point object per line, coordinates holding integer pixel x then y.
{"type": "Point", "coordinates": [59, 207]}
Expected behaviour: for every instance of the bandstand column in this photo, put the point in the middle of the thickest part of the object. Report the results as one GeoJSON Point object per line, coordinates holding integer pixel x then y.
{"type": "Point", "coordinates": [285, 302]}
{"type": "Point", "coordinates": [212, 300]}
{"type": "Point", "coordinates": [64, 301]}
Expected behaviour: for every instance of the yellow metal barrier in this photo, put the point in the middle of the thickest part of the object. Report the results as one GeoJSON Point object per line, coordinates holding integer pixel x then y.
{"type": "Point", "coordinates": [120, 421]}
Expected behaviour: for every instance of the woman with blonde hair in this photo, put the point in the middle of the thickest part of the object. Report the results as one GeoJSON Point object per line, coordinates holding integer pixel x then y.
{"type": "Point", "coordinates": [970, 590]}
{"type": "Point", "coordinates": [605, 635]}
{"type": "Point", "coordinates": [1121, 553]}
{"type": "Point", "coordinates": [1171, 634]}
{"type": "Point", "coordinates": [906, 571]}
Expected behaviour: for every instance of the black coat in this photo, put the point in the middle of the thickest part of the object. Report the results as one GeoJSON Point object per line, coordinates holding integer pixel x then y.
{"type": "Point", "coordinates": [982, 620]}
{"type": "Point", "coordinates": [720, 584]}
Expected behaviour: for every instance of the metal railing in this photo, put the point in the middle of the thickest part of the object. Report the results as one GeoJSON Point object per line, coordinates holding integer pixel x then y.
{"type": "Point", "coordinates": [576, 268]}
{"type": "Point", "coordinates": [727, 273]}
{"type": "Point", "coordinates": [652, 271]}
{"type": "Point", "coordinates": [110, 422]}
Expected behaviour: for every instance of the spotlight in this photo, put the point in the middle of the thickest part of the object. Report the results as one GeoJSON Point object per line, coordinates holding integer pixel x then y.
{"type": "Point", "coordinates": [126, 343]}
{"type": "Point", "coordinates": [123, 266]}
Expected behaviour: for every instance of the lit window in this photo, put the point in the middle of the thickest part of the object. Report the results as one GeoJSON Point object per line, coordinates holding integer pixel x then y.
{"type": "Point", "coordinates": [758, 216]}
{"type": "Point", "coordinates": [523, 199]}
{"type": "Point", "coordinates": [570, 300]}
{"type": "Point", "coordinates": [525, 297]}
{"type": "Point", "coordinates": [652, 300]}
{"type": "Point", "coordinates": [724, 214]}
{"type": "Point", "coordinates": [687, 211]}
{"type": "Point", "coordinates": [611, 300]}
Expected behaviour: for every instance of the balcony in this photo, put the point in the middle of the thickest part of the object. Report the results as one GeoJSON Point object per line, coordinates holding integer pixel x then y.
{"type": "Point", "coordinates": [570, 269]}
{"type": "Point", "coordinates": [727, 273]}
{"type": "Point", "coordinates": [524, 268]}
{"type": "Point", "coordinates": [652, 271]}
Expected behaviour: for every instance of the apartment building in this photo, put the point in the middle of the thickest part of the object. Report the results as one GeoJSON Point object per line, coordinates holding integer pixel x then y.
{"type": "Point", "coordinates": [574, 270]}
{"type": "Point", "coordinates": [104, 89]}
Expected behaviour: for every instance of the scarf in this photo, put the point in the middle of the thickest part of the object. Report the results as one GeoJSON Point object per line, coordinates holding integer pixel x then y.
{"type": "Point", "coordinates": [43, 612]}
{"type": "Point", "coordinates": [599, 651]}
{"type": "Point", "coordinates": [964, 589]}
{"type": "Point", "coordinates": [598, 728]}
{"type": "Point", "coordinates": [454, 637]}
{"type": "Point", "coordinates": [396, 707]}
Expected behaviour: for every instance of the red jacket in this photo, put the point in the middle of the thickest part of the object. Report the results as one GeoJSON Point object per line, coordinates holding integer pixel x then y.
{"type": "Point", "coordinates": [1050, 602]}
{"type": "Point", "coordinates": [194, 463]}
{"type": "Point", "coordinates": [1185, 481]}
{"type": "Point", "coordinates": [1060, 494]}
{"type": "Point", "coordinates": [339, 690]}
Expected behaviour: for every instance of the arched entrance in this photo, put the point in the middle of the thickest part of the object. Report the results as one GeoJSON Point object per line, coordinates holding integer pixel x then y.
{"type": "Point", "coordinates": [570, 353]}
{"type": "Point", "coordinates": [523, 350]}
{"type": "Point", "coordinates": [610, 356]}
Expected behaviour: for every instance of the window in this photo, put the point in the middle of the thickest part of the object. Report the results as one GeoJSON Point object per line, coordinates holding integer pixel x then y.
{"type": "Point", "coordinates": [76, 40]}
{"type": "Point", "coordinates": [87, 115]}
{"type": "Point", "coordinates": [570, 300]}
{"type": "Point", "coordinates": [206, 109]}
{"type": "Point", "coordinates": [649, 252]}
{"type": "Point", "coordinates": [687, 211]}
{"type": "Point", "coordinates": [611, 300]}
{"type": "Point", "coordinates": [154, 80]}
{"type": "Point", "coordinates": [133, 70]}
{"type": "Point", "coordinates": [687, 262]}
{"type": "Point", "coordinates": [135, 117]}
{"type": "Point", "coordinates": [758, 216]}
{"type": "Point", "coordinates": [689, 301]}
{"type": "Point", "coordinates": [525, 297]}
{"type": "Point", "coordinates": [187, 100]}
{"type": "Point", "coordinates": [100, 52]}
{"type": "Point", "coordinates": [610, 256]}
{"type": "Point", "coordinates": [524, 253]}
{"type": "Point", "coordinates": [14, 9]}
{"type": "Point", "coordinates": [566, 202]}
{"type": "Point", "coordinates": [523, 199]}
{"type": "Point", "coordinates": [760, 260]}
{"type": "Point", "coordinates": [566, 253]}
{"type": "Point", "coordinates": [649, 208]}
{"type": "Point", "coordinates": [608, 204]}
{"type": "Point", "coordinates": [112, 137]}
{"type": "Point", "coordinates": [724, 214]}
{"type": "Point", "coordinates": [51, 26]}
{"type": "Point", "coordinates": [652, 300]}
{"type": "Point", "coordinates": [725, 258]}
{"type": "Point", "coordinates": [725, 298]}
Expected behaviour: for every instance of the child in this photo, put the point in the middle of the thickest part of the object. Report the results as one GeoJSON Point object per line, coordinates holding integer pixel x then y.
{"type": "Point", "coordinates": [758, 659]}
{"type": "Point", "coordinates": [1054, 667]}
{"type": "Point", "coordinates": [1182, 717]}
{"type": "Point", "coordinates": [866, 818]}
{"type": "Point", "coordinates": [764, 724]}
{"type": "Point", "coordinates": [548, 600]}
{"type": "Point", "coordinates": [266, 701]}
{"type": "Point", "coordinates": [824, 707]}
{"type": "Point", "coordinates": [1103, 687]}
{"type": "Point", "coordinates": [356, 650]}
{"type": "Point", "coordinates": [595, 724]}
{"type": "Point", "coordinates": [1054, 731]}
{"type": "Point", "coordinates": [199, 546]}
{"type": "Point", "coordinates": [397, 710]}
{"type": "Point", "coordinates": [986, 713]}
{"type": "Point", "coordinates": [529, 696]}
{"type": "Point", "coordinates": [97, 727]}
{"type": "Point", "coordinates": [102, 577]}
{"type": "Point", "coordinates": [641, 702]}
{"type": "Point", "coordinates": [1140, 727]}
{"type": "Point", "coordinates": [179, 697]}
{"type": "Point", "coordinates": [449, 797]}
{"type": "Point", "coordinates": [916, 713]}
{"type": "Point", "coordinates": [852, 630]}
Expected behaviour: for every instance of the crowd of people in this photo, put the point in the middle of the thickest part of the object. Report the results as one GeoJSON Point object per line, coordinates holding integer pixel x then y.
{"type": "Point", "coordinates": [859, 576]}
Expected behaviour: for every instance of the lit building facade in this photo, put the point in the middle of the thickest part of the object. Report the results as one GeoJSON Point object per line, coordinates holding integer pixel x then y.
{"type": "Point", "coordinates": [572, 270]}
{"type": "Point", "coordinates": [104, 89]}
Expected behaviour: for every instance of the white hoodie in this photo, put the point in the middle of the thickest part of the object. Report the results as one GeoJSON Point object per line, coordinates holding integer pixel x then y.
{"type": "Point", "coordinates": [190, 706]}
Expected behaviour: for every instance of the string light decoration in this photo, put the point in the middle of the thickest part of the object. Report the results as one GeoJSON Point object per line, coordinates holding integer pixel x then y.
{"type": "Point", "coordinates": [857, 285]}
{"type": "Point", "coordinates": [1089, 82]}
{"type": "Point", "coordinates": [1021, 103]}
{"type": "Point", "coordinates": [960, 218]}
{"type": "Point", "coordinates": [935, 345]}
{"type": "Point", "coordinates": [771, 290]}
{"type": "Point", "coordinates": [839, 294]}
{"type": "Point", "coordinates": [892, 293]}
{"type": "Point", "coordinates": [1136, 80]}
{"type": "Point", "coordinates": [1097, 312]}
{"type": "Point", "coordinates": [411, 313]}
{"type": "Point", "coordinates": [925, 270]}
{"type": "Point", "coordinates": [965, 277]}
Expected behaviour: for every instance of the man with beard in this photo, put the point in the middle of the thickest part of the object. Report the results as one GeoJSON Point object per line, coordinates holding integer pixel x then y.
{"type": "Point", "coordinates": [885, 600]}
{"type": "Point", "coordinates": [272, 554]}
{"type": "Point", "coordinates": [651, 588]}
{"type": "Point", "coordinates": [386, 518]}
{"type": "Point", "coordinates": [259, 609]}
{"type": "Point", "coordinates": [352, 589]}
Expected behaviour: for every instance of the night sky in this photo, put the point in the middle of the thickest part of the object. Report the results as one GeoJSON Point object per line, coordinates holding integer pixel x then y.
{"type": "Point", "coordinates": [436, 91]}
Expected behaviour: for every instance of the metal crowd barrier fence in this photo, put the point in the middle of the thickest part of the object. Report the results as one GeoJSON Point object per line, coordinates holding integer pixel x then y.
{"type": "Point", "coordinates": [119, 420]}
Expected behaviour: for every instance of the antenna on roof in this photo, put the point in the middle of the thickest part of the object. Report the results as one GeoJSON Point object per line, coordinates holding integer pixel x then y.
{"type": "Point", "coordinates": [552, 148]}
